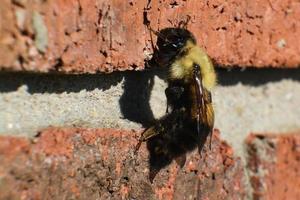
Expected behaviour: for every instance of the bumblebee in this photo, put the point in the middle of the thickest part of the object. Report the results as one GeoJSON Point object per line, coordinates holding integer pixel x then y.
{"type": "Point", "coordinates": [191, 77]}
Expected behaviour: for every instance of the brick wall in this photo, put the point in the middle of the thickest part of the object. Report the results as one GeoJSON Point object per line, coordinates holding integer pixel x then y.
{"type": "Point", "coordinates": [91, 36]}
{"type": "Point", "coordinates": [273, 165]}
{"type": "Point", "coordinates": [70, 132]}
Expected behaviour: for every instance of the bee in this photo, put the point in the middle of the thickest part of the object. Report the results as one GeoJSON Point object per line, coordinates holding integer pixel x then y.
{"type": "Point", "coordinates": [191, 77]}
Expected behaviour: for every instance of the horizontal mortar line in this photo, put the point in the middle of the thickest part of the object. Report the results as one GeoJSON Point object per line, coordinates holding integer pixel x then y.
{"type": "Point", "coordinates": [131, 100]}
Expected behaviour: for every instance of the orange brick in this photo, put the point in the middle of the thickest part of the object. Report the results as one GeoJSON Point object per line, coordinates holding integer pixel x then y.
{"type": "Point", "coordinates": [91, 36]}
{"type": "Point", "coordinates": [101, 165]}
{"type": "Point", "coordinates": [274, 162]}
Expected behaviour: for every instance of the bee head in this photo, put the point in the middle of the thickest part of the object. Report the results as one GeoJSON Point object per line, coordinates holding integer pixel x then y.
{"type": "Point", "coordinates": [171, 43]}
{"type": "Point", "coordinates": [173, 39]}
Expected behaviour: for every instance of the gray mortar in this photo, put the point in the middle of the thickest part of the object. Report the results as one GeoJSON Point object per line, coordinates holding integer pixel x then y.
{"type": "Point", "coordinates": [245, 101]}
{"type": "Point", "coordinates": [254, 100]}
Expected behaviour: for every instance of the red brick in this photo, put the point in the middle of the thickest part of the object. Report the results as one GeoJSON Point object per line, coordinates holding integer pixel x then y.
{"type": "Point", "coordinates": [274, 162]}
{"type": "Point", "coordinates": [92, 36]}
{"type": "Point", "coordinates": [79, 163]}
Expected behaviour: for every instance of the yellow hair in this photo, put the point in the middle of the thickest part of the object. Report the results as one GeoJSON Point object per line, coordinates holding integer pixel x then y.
{"type": "Point", "coordinates": [182, 68]}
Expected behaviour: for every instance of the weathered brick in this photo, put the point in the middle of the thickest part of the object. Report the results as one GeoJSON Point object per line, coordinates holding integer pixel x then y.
{"type": "Point", "coordinates": [74, 163]}
{"type": "Point", "coordinates": [274, 162]}
{"type": "Point", "coordinates": [91, 36]}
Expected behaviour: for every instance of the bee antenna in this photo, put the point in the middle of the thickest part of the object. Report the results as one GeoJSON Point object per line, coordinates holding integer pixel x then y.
{"type": "Point", "coordinates": [153, 31]}
{"type": "Point", "coordinates": [183, 24]}
{"type": "Point", "coordinates": [172, 24]}
{"type": "Point", "coordinates": [157, 33]}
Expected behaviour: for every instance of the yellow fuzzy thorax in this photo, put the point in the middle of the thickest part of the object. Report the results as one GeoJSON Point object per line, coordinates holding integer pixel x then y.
{"type": "Point", "coordinates": [182, 68]}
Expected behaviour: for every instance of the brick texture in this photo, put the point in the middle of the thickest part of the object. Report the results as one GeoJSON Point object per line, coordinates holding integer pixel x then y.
{"type": "Point", "coordinates": [274, 162]}
{"type": "Point", "coordinates": [73, 163]}
{"type": "Point", "coordinates": [91, 36]}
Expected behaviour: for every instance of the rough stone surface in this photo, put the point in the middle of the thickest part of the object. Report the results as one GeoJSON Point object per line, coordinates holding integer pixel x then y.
{"type": "Point", "coordinates": [251, 100]}
{"type": "Point", "coordinates": [274, 162]}
{"type": "Point", "coordinates": [75, 163]}
{"type": "Point", "coordinates": [91, 36]}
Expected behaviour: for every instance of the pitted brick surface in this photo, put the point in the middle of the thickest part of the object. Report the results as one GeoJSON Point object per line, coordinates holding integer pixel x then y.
{"type": "Point", "coordinates": [274, 162]}
{"type": "Point", "coordinates": [91, 36]}
{"type": "Point", "coordinates": [99, 164]}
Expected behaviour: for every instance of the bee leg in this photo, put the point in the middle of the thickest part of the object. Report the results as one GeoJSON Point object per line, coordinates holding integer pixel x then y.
{"type": "Point", "coordinates": [152, 174]}
{"type": "Point", "coordinates": [180, 160]}
{"type": "Point", "coordinates": [210, 139]}
{"type": "Point", "coordinates": [200, 151]}
{"type": "Point", "coordinates": [174, 94]}
{"type": "Point", "coordinates": [147, 134]}
{"type": "Point", "coordinates": [167, 109]}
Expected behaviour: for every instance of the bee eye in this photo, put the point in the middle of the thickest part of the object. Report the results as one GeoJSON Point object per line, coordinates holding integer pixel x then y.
{"type": "Point", "coordinates": [171, 45]}
{"type": "Point", "coordinates": [177, 44]}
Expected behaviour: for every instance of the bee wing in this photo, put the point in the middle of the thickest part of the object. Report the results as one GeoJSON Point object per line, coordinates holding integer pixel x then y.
{"type": "Point", "coordinates": [201, 108]}
{"type": "Point", "coordinates": [205, 114]}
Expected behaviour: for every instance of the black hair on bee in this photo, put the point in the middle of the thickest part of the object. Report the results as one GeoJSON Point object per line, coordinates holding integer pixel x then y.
{"type": "Point", "coordinates": [191, 78]}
